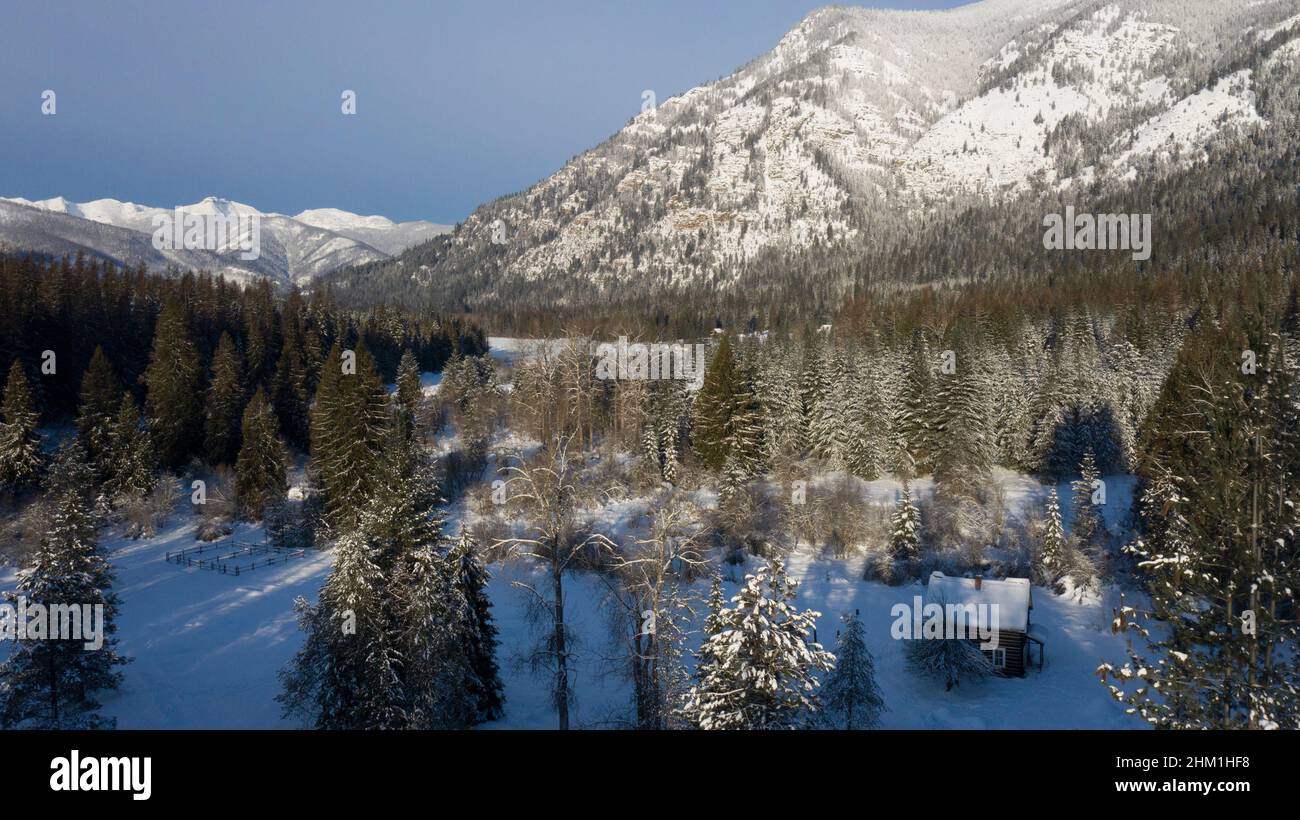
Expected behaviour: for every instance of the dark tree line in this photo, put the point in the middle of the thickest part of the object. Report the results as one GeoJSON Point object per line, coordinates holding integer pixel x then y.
{"type": "Point", "coordinates": [197, 345]}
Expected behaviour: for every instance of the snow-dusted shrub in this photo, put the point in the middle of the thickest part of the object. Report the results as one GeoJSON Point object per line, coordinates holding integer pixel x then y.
{"type": "Point", "coordinates": [458, 470]}
{"type": "Point", "coordinates": [143, 514]}
{"type": "Point", "coordinates": [882, 566]}
{"type": "Point", "coordinates": [801, 521]}
{"type": "Point", "coordinates": [950, 661]}
{"type": "Point", "coordinates": [219, 508]}
{"type": "Point", "coordinates": [842, 513]}
{"type": "Point", "coordinates": [21, 531]}
{"type": "Point", "coordinates": [490, 529]}
{"type": "Point", "coordinates": [212, 529]}
{"type": "Point", "coordinates": [286, 524]}
{"type": "Point", "coordinates": [1016, 555]}
{"type": "Point", "coordinates": [1081, 576]}
{"type": "Point", "coordinates": [948, 563]}
{"type": "Point", "coordinates": [604, 480]}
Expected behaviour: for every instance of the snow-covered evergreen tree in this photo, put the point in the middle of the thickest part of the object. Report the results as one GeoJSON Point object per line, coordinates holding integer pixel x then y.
{"type": "Point", "coordinates": [1087, 516]}
{"type": "Point", "coordinates": [905, 527]}
{"type": "Point", "coordinates": [662, 430]}
{"type": "Point", "coordinates": [289, 391]}
{"type": "Point", "coordinates": [733, 494]}
{"type": "Point", "coordinates": [814, 385]}
{"type": "Point", "coordinates": [174, 398]}
{"type": "Point", "coordinates": [865, 420]}
{"type": "Point", "coordinates": [783, 421]}
{"type": "Point", "coordinates": [757, 666]}
{"type": "Point", "coordinates": [650, 445]}
{"type": "Point", "coordinates": [744, 438]}
{"type": "Point", "coordinates": [134, 466]}
{"type": "Point", "coordinates": [727, 420]}
{"type": "Point", "coordinates": [828, 428]}
{"type": "Point", "coordinates": [1011, 422]}
{"type": "Point", "coordinates": [1219, 545]}
{"type": "Point", "coordinates": [349, 422]}
{"type": "Point", "coordinates": [260, 469]}
{"type": "Point", "coordinates": [711, 420]}
{"type": "Point", "coordinates": [346, 674]}
{"type": "Point", "coordinates": [100, 395]}
{"type": "Point", "coordinates": [385, 646]}
{"type": "Point", "coordinates": [851, 697]}
{"type": "Point", "coordinates": [20, 444]}
{"type": "Point", "coordinates": [224, 406]}
{"type": "Point", "coordinates": [433, 668]}
{"type": "Point", "coordinates": [950, 660]}
{"type": "Point", "coordinates": [1053, 548]}
{"type": "Point", "coordinates": [914, 423]}
{"type": "Point", "coordinates": [409, 389]}
{"type": "Point", "coordinates": [477, 630]}
{"type": "Point", "coordinates": [52, 684]}
{"type": "Point", "coordinates": [669, 445]}
{"type": "Point", "coordinates": [962, 429]}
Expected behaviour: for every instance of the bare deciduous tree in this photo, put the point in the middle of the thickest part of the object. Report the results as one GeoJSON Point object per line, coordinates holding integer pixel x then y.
{"type": "Point", "coordinates": [546, 490]}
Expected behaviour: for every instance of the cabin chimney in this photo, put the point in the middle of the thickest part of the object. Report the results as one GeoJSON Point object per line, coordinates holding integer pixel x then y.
{"type": "Point", "coordinates": [979, 581]}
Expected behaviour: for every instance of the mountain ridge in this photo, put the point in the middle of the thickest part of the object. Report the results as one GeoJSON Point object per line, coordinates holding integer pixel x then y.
{"type": "Point", "coordinates": [294, 249]}
{"type": "Point", "coordinates": [858, 122]}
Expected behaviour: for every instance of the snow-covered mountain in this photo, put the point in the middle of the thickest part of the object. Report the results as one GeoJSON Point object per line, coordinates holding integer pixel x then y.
{"type": "Point", "coordinates": [378, 232]}
{"type": "Point", "coordinates": [859, 120]}
{"type": "Point", "coordinates": [292, 249]}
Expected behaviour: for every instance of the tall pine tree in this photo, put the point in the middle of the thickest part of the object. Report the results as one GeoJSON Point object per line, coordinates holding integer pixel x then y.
{"type": "Point", "coordinates": [905, 527]}
{"type": "Point", "coordinates": [100, 396]}
{"type": "Point", "coordinates": [348, 430]}
{"type": "Point", "coordinates": [225, 404]}
{"type": "Point", "coordinates": [260, 470]}
{"type": "Point", "coordinates": [1087, 515]}
{"type": "Point", "coordinates": [173, 379]}
{"type": "Point", "coordinates": [20, 444]}
{"type": "Point", "coordinates": [134, 463]}
{"type": "Point", "coordinates": [851, 696]}
{"type": "Point", "coordinates": [479, 633]}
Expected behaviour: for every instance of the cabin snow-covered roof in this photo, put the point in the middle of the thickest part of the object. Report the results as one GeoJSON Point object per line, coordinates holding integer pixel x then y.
{"type": "Point", "coordinates": [1012, 597]}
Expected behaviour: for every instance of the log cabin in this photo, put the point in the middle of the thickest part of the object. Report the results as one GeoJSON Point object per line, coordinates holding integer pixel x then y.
{"type": "Point", "coordinates": [1014, 600]}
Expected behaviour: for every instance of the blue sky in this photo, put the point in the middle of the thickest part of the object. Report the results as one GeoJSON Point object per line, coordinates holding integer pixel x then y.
{"type": "Point", "coordinates": [163, 103]}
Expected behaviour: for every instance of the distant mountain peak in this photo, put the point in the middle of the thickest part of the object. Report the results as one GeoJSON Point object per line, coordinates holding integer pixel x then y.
{"type": "Point", "coordinates": [293, 249]}
{"type": "Point", "coordinates": [332, 218]}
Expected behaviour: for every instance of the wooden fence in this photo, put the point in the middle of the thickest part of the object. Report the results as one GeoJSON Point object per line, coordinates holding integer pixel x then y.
{"type": "Point", "coordinates": [233, 558]}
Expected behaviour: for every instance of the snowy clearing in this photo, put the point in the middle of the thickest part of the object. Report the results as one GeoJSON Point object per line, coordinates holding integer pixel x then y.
{"type": "Point", "coordinates": [207, 647]}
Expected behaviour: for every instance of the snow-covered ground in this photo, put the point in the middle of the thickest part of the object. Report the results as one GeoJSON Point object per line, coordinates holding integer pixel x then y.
{"type": "Point", "coordinates": [508, 349]}
{"type": "Point", "coordinates": [1065, 694]}
{"type": "Point", "coordinates": [429, 383]}
{"type": "Point", "coordinates": [207, 647]}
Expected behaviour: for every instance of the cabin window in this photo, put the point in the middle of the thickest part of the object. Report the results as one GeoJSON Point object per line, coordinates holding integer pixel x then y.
{"type": "Point", "coordinates": [999, 659]}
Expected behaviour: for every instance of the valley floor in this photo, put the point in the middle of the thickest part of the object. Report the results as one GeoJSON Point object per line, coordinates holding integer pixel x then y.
{"type": "Point", "coordinates": [207, 647]}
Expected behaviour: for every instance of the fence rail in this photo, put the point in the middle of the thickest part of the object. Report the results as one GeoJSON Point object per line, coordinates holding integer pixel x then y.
{"type": "Point", "coordinates": [233, 558]}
